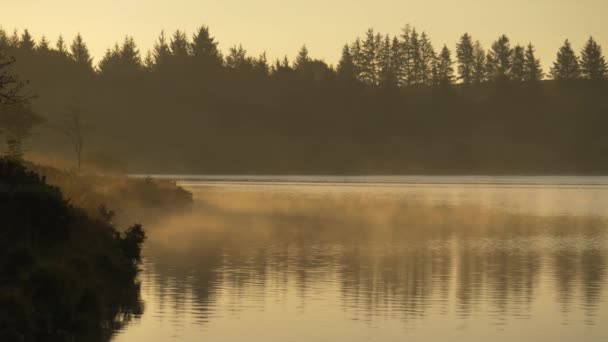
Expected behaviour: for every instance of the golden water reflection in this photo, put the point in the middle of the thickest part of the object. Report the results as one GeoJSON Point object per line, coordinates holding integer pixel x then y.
{"type": "Point", "coordinates": [357, 263]}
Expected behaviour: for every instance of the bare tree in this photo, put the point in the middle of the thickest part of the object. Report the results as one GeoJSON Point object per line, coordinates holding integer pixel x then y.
{"type": "Point", "coordinates": [72, 128]}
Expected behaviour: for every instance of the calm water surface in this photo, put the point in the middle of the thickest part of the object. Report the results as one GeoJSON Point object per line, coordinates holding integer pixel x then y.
{"type": "Point", "coordinates": [381, 259]}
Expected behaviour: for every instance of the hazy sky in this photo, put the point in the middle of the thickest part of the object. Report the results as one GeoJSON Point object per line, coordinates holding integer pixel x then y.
{"type": "Point", "coordinates": [280, 27]}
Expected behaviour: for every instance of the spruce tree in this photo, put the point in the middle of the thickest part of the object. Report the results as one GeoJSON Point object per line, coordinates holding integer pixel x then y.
{"type": "Point", "coordinates": [518, 64]}
{"type": "Point", "coordinates": [61, 47]}
{"type": "Point", "coordinates": [346, 66]}
{"type": "Point", "coordinates": [130, 58]}
{"type": "Point", "coordinates": [4, 39]}
{"type": "Point", "coordinates": [237, 58]}
{"type": "Point", "coordinates": [27, 42]}
{"type": "Point", "coordinates": [387, 77]}
{"type": "Point", "coordinates": [357, 55]}
{"type": "Point", "coordinates": [261, 64]}
{"type": "Point", "coordinates": [533, 71]}
{"type": "Point", "coordinates": [161, 51]}
{"type": "Point", "coordinates": [180, 48]}
{"type": "Point", "coordinates": [406, 57]}
{"type": "Point", "coordinates": [466, 59]}
{"type": "Point", "coordinates": [204, 49]}
{"type": "Point", "coordinates": [302, 59]}
{"type": "Point", "coordinates": [14, 41]}
{"type": "Point", "coordinates": [397, 60]}
{"type": "Point", "coordinates": [500, 59]}
{"type": "Point", "coordinates": [593, 63]}
{"type": "Point", "coordinates": [44, 45]}
{"type": "Point", "coordinates": [369, 67]}
{"type": "Point", "coordinates": [80, 53]}
{"type": "Point", "coordinates": [444, 67]}
{"type": "Point", "coordinates": [427, 59]}
{"type": "Point", "coordinates": [566, 67]}
{"type": "Point", "coordinates": [479, 72]}
{"type": "Point", "coordinates": [415, 59]}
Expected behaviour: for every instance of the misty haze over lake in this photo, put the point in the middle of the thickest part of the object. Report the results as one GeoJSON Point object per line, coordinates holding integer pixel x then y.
{"type": "Point", "coordinates": [381, 258]}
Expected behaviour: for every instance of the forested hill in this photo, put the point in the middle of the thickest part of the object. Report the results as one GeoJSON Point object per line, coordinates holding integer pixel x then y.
{"type": "Point", "coordinates": [392, 105]}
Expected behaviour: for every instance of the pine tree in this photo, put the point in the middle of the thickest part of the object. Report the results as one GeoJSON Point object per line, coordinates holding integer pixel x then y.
{"type": "Point", "coordinates": [387, 76]}
{"type": "Point", "coordinates": [204, 49]}
{"type": "Point", "coordinates": [80, 52]}
{"type": "Point", "coordinates": [129, 55]}
{"type": "Point", "coordinates": [4, 39]}
{"type": "Point", "coordinates": [369, 54]}
{"type": "Point", "coordinates": [427, 58]}
{"type": "Point", "coordinates": [406, 56]}
{"type": "Point", "coordinates": [237, 58]}
{"type": "Point", "coordinates": [180, 48]}
{"type": "Point", "coordinates": [149, 61]}
{"type": "Point", "coordinates": [566, 67]}
{"type": "Point", "coordinates": [593, 63]}
{"type": "Point", "coordinates": [518, 64]}
{"type": "Point", "coordinates": [261, 64]}
{"type": "Point", "coordinates": [479, 73]}
{"type": "Point", "coordinates": [61, 47]}
{"type": "Point", "coordinates": [397, 60]}
{"type": "Point", "coordinates": [499, 60]}
{"type": "Point", "coordinates": [346, 66]}
{"type": "Point", "coordinates": [416, 65]}
{"type": "Point", "coordinates": [466, 59]}
{"type": "Point", "coordinates": [161, 52]}
{"type": "Point", "coordinates": [444, 69]}
{"type": "Point", "coordinates": [44, 45]}
{"type": "Point", "coordinates": [14, 41]}
{"type": "Point", "coordinates": [110, 62]}
{"type": "Point", "coordinates": [357, 54]}
{"type": "Point", "coordinates": [302, 59]}
{"type": "Point", "coordinates": [27, 42]}
{"type": "Point", "coordinates": [533, 72]}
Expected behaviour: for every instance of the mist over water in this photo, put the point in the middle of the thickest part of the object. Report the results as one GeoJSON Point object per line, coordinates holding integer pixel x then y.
{"type": "Point", "coordinates": [324, 261]}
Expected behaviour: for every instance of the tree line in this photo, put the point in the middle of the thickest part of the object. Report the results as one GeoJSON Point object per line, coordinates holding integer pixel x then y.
{"type": "Point", "coordinates": [391, 104]}
{"type": "Point", "coordinates": [407, 59]}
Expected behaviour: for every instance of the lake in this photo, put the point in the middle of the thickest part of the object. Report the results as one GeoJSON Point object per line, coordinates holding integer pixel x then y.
{"type": "Point", "coordinates": [270, 258]}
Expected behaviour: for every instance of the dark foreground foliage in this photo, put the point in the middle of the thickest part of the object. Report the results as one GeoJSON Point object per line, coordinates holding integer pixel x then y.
{"type": "Point", "coordinates": [64, 275]}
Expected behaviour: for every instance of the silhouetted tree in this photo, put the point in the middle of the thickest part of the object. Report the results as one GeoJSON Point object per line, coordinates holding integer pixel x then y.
{"type": "Point", "coordinates": [346, 66]}
{"type": "Point", "coordinates": [500, 60]}
{"type": "Point", "coordinates": [14, 41]}
{"type": "Point", "coordinates": [445, 69]}
{"type": "Point", "coordinates": [533, 72]}
{"type": "Point", "coordinates": [180, 47]}
{"type": "Point", "coordinates": [466, 58]}
{"type": "Point", "coordinates": [302, 58]}
{"type": "Point", "coordinates": [44, 45]}
{"type": "Point", "coordinates": [427, 59]}
{"type": "Point", "coordinates": [387, 65]}
{"type": "Point", "coordinates": [80, 53]}
{"type": "Point", "coordinates": [161, 52]}
{"type": "Point", "coordinates": [205, 52]}
{"type": "Point", "coordinates": [416, 63]}
{"type": "Point", "coordinates": [357, 54]}
{"type": "Point", "coordinates": [405, 59]}
{"type": "Point", "coordinates": [61, 47]}
{"type": "Point", "coordinates": [72, 128]}
{"type": "Point", "coordinates": [369, 55]}
{"type": "Point", "coordinates": [566, 67]}
{"type": "Point", "coordinates": [518, 67]}
{"type": "Point", "coordinates": [27, 42]}
{"type": "Point", "coordinates": [593, 63]}
{"type": "Point", "coordinates": [479, 71]}
{"type": "Point", "coordinates": [237, 59]}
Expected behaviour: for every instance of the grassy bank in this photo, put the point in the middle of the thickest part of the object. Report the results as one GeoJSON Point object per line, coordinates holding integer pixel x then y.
{"type": "Point", "coordinates": [67, 272]}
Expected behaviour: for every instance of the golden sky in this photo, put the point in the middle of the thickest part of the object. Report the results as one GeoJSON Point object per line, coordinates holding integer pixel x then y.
{"type": "Point", "coordinates": [281, 26]}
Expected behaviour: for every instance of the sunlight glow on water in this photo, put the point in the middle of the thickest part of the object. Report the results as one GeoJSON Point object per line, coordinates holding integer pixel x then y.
{"type": "Point", "coordinates": [334, 262]}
